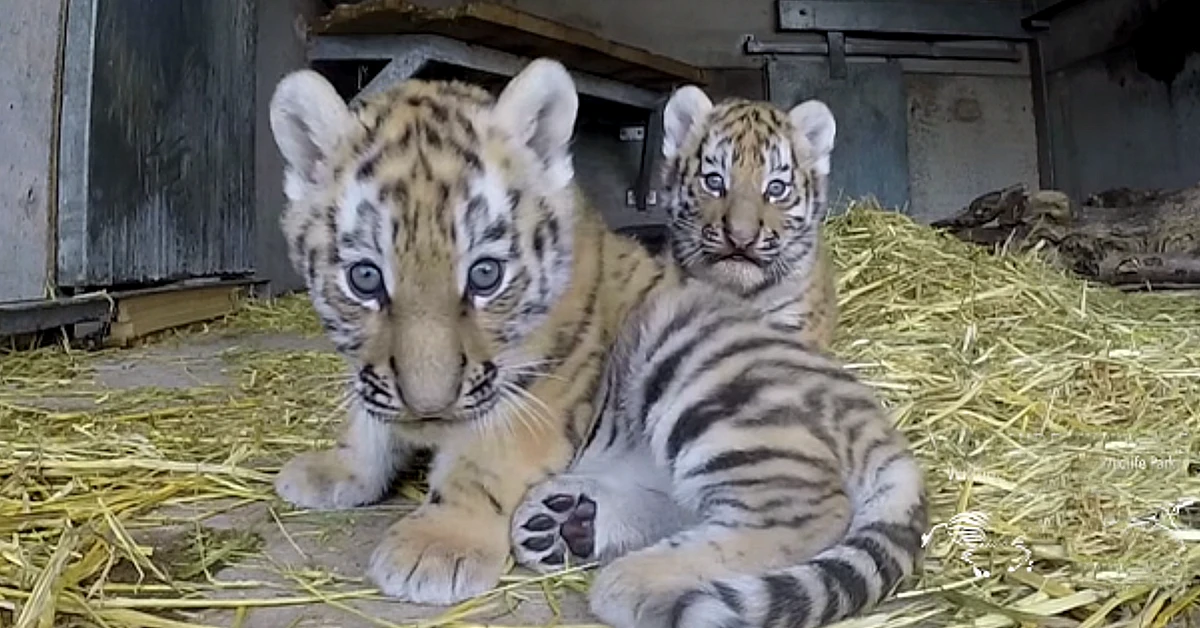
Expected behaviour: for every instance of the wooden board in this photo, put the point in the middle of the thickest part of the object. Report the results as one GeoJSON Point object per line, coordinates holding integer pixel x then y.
{"type": "Point", "coordinates": [139, 315]}
{"type": "Point", "coordinates": [509, 30]}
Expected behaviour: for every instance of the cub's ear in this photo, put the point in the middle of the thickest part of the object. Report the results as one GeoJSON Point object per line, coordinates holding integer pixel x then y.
{"type": "Point", "coordinates": [538, 108]}
{"type": "Point", "coordinates": [814, 124]}
{"type": "Point", "coordinates": [308, 119]}
{"type": "Point", "coordinates": [686, 107]}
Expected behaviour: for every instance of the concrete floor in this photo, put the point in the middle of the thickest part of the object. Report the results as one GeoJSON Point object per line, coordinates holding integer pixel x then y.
{"type": "Point", "coordinates": [297, 546]}
{"type": "Point", "coordinates": [298, 554]}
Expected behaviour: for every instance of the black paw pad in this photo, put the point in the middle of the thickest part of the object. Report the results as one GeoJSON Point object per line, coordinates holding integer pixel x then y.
{"type": "Point", "coordinates": [579, 528]}
{"type": "Point", "coordinates": [554, 558]}
{"type": "Point", "coordinates": [559, 503]}
{"type": "Point", "coordinates": [538, 543]}
{"type": "Point", "coordinates": [540, 523]}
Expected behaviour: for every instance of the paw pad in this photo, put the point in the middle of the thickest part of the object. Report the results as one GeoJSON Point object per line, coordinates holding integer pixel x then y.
{"type": "Point", "coordinates": [559, 524]}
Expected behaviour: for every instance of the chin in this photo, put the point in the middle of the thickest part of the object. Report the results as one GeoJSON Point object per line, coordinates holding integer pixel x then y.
{"type": "Point", "coordinates": [737, 274]}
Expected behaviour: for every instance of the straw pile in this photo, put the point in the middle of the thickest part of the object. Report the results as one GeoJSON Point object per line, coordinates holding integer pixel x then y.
{"type": "Point", "coordinates": [1059, 424]}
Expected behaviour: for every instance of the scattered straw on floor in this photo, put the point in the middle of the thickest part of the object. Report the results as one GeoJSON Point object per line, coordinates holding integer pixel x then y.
{"type": "Point", "coordinates": [1059, 424]}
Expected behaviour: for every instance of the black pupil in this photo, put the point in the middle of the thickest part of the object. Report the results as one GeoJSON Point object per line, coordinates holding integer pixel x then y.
{"type": "Point", "coordinates": [776, 188]}
{"type": "Point", "coordinates": [366, 278]}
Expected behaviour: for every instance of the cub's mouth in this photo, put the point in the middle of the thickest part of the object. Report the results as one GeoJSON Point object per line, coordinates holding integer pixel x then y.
{"type": "Point", "coordinates": [739, 258]}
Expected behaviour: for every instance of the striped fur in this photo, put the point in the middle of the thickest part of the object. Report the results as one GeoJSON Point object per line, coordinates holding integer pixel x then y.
{"type": "Point", "coordinates": [472, 293]}
{"type": "Point", "coordinates": [736, 478]}
{"type": "Point", "coordinates": [757, 233]}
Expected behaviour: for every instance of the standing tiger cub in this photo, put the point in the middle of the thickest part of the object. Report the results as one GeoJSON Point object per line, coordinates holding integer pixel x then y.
{"type": "Point", "coordinates": [745, 184]}
{"type": "Point", "coordinates": [473, 295]}
{"type": "Point", "coordinates": [736, 474]}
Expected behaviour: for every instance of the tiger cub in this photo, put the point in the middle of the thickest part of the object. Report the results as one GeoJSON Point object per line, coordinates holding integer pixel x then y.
{"type": "Point", "coordinates": [473, 295]}
{"type": "Point", "coordinates": [735, 475]}
{"type": "Point", "coordinates": [746, 194]}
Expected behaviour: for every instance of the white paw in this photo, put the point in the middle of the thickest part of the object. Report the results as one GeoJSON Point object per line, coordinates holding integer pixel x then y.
{"type": "Point", "coordinates": [321, 481]}
{"type": "Point", "coordinates": [615, 596]}
{"type": "Point", "coordinates": [657, 587]}
{"type": "Point", "coordinates": [433, 560]}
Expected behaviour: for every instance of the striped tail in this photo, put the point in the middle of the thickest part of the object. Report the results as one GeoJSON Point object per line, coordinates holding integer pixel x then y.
{"type": "Point", "coordinates": [882, 546]}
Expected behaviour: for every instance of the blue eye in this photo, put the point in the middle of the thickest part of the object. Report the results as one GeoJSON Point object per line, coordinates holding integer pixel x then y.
{"type": "Point", "coordinates": [777, 189]}
{"type": "Point", "coordinates": [714, 183]}
{"type": "Point", "coordinates": [365, 280]}
{"type": "Point", "coordinates": [484, 276]}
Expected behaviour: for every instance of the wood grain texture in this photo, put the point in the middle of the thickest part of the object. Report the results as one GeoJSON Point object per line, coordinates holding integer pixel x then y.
{"type": "Point", "coordinates": [170, 145]}
{"type": "Point", "coordinates": [513, 31]}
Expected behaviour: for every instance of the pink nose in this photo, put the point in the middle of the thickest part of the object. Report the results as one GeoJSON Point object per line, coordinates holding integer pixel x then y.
{"type": "Point", "coordinates": [740, 236]}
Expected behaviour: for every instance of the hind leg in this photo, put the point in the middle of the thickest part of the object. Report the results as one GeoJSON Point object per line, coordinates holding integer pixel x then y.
{"type": "Point", "coordinates": [646, 588]}
{"type": "Point", "coordinates": [595, 513]}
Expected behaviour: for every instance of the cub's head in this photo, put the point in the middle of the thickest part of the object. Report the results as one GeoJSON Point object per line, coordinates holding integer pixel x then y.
{"type": "Point", "coordinates": [745, 186]}
{"type": "Point", "coordinates": [433, 225]}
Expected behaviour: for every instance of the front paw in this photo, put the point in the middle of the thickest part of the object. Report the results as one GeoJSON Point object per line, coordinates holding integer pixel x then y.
{"type": "Point", "coordinates": [433, 558]}
{"type": "Point", "coordinates": [321, 481]}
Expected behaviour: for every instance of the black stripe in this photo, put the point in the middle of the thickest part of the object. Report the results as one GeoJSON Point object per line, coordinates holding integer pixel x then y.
{"type": "Point", "coordinates": [852, 583]}
{"type": "Point", "coordinates": [794, 523]}
{"type": "Point", "coordinates": [906, 537]}
{"type": "Point", "coordinates": [788, 603]}
{"type": "Point", "coordinates": [722, 403]}
{"type": "Point", "coordinates": [491, 498]}
{"type": "Point", "coordinates": [737, 504]}
{"type": "Point", "coordinates": [748, 457]}
{"type": "Point", "coordinates": [889, 570]}
{"type": "Point", "coordinates": [664, 372]}
{"type": "Point", "coordinates": [730, 597]}
{"type": "Point", "coordinates": [680, 607]}
{"type": "Point", "coordinates": [767, 482]}
{"type": "Point", "coordinates": [833, 598]}
{"type": "Point", "coordinates": [494, 232]}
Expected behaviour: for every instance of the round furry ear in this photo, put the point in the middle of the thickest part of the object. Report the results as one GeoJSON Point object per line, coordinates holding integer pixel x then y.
{"type": "Point", "coordinates": [308, 119]}
{"type": "Point", "coordinates": [538, 107]}
{"type": "Point", "coordinates": [813, 121]}
{"type": "Point", "coordinates": [686, 107]}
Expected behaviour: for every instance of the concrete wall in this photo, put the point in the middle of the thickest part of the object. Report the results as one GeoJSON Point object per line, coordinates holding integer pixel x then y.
{"type": "Point", "coordinates": [29, 39]}
{"type": "Point", "coordinates": [1124, 92]}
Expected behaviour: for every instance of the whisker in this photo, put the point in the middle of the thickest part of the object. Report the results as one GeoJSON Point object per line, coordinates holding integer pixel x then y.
{"type": "Point", "coordinates": [539, 374]}
{"type": "Point", "coordinates": [547, 417]}
{"type": "Point", "coordinates": [520, 411]}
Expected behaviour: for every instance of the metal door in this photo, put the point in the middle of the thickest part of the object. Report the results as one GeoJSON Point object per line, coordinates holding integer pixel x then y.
{"type": "Point", "coordinates": [156, 175]}
{"type": "Point", "coordinates": [870, 156]}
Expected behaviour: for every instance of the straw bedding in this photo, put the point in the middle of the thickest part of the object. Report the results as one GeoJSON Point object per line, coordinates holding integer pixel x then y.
{"type": "Point", "coordinates": [1059, 424]}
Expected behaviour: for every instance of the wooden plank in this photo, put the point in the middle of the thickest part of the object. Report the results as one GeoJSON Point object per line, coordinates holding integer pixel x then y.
{"type": "Point", "coordinates": [139, 315]}
{"type": "Point", "coordinates": [516, 32]}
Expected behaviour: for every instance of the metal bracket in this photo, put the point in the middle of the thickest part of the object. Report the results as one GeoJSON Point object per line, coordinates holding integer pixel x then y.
{"type": "Point", "coordinates": [961, 18]}
{"type": "Point", "coordinates": [644, 196]}
{"type": "Point", "coordinates": [837, 54]}
{"type": "Point", "coordinates": [409, 53]}
{"type": "Point", "coordinates": [856, 47]}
